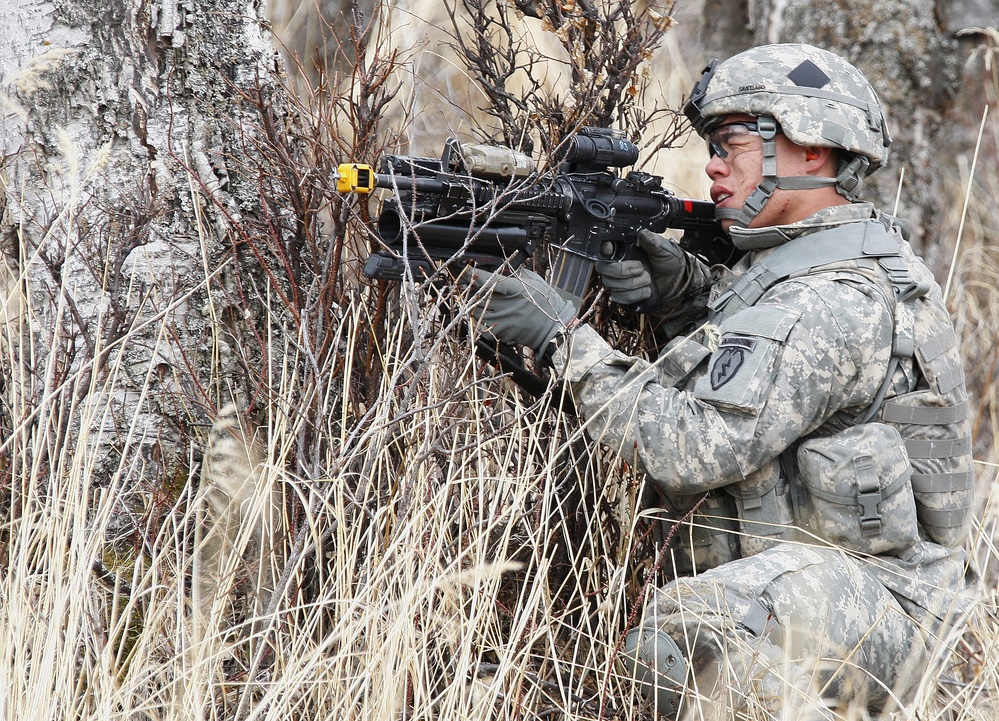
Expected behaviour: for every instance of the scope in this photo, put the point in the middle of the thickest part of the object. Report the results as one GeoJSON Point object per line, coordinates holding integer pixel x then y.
{"type": "Point", "coordinates": [599, 148]}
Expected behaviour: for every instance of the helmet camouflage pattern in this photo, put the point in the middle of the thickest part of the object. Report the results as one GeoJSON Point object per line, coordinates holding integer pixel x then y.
{"type": "Point", "coordinates": [815, 96]}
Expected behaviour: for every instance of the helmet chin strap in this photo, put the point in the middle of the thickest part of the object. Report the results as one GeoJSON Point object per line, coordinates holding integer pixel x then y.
{"type": "Point", "coordinates": [746, 238]}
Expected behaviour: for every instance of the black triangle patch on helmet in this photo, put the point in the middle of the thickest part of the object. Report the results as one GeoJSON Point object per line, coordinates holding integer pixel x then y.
{"type": "Point", "coordinates": [808, 75]}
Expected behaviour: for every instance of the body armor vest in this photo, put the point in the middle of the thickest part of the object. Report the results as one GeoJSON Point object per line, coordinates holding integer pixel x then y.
{"type": "Point", "coordinates": [913, 450]}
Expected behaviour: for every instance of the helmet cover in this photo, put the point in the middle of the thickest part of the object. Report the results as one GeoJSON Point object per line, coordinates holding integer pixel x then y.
{"type": "Point", "coordinates": [816, 97]}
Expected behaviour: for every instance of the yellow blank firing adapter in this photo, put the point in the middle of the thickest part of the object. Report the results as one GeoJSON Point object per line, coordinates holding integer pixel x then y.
{"type": "Point", "coordinates": [354, 178]}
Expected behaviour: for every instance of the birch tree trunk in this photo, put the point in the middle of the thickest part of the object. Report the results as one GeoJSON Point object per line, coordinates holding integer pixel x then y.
{"type": "Point", "coordinates": [134, 147]}
{"type": "Point", "coordinates": [129, 162]}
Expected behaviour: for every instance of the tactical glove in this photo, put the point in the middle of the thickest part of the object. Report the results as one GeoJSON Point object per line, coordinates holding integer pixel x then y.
{"type": "Point", "coordinates": [521, 309]}
{"type": "Point", "coordinates": [631, 281]}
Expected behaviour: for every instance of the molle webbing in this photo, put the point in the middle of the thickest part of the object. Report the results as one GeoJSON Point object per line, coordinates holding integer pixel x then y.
{"type": "Point", "coordinates": [930, 421]}
{"type": "Point", "coordinates": [834, 245]}
{"type": "Point", "coordinates": [934, 423]}
{"type": "Point", "coordinates": [925, 415]}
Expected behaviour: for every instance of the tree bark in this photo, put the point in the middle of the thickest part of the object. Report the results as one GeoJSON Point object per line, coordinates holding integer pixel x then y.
{"type": "Point", "coordinates": [128, 161]}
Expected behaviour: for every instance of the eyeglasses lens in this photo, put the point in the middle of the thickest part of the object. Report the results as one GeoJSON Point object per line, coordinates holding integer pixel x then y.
{"type": "Point", "coordinates": [720, 139]}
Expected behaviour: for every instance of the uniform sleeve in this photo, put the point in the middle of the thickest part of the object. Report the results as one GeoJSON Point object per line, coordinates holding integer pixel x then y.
{"type": "Point", "coordinates": [810, 349]}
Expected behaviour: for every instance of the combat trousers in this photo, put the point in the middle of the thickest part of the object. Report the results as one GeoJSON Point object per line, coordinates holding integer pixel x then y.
{"type": "Point", "coordinates": [793, 632]}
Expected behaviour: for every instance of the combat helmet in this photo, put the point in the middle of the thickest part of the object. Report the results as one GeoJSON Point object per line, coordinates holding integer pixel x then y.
{"type": "Point", "coordinates": [811, 95]}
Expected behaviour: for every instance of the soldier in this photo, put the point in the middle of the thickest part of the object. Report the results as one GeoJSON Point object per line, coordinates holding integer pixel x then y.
{"type": "Point", "coordinates": [809, 436]}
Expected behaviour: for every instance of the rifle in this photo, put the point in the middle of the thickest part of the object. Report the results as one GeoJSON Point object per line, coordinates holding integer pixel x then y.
{"type": "Point", "coordinates": [488, 206]}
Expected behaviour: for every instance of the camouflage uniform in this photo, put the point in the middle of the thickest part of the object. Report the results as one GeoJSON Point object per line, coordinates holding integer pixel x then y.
{"type": "Point", "coordinates": [810, 439]}
{"type": "Point", "coordinates": [765, 612]}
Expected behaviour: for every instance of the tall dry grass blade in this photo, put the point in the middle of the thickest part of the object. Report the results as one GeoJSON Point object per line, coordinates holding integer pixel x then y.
{"type": "Point", "coordinates": [238, 516]}
{"type": "Point", "coordinates": [964, 210]}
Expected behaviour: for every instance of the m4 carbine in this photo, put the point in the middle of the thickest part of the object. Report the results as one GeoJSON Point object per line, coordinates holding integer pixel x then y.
{"type": "Point", "coordinates": [486, 205]}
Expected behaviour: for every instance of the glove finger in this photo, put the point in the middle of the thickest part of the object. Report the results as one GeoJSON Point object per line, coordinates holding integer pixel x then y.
{"type": "Point", "coordinates": [631, 281]}
{"type": "Point", "coordinates": [494, 284]}
{"type": "Point", "coordinates": [530, 277]}
{"type": "Point", "coordinates": [472, 277]}
{"type": "Point", "coordinates": [628, 297]}
{"type": "Point", "coordinates": [507, 296]}
{"type": "Point", "coordinates": [619, 269]}
{"type": "Point", "coordinates": [491, 315]}
{"type": "Point", "coordinates": [619, 284]}
{"type": "Point", "coordinates": [510, 286]}
{"type": "Point", "coordinates": [657, 245]}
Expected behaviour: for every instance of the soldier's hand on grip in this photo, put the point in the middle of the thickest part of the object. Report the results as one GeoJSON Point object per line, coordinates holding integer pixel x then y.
{"type": "Point", "coordinates": [631, 281]}
{"type": "Point", "coordinates": [522, 309]}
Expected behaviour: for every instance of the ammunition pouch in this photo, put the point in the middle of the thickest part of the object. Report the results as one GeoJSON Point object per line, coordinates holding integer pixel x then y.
{"type": "Point", "coordinates": [859, 490]}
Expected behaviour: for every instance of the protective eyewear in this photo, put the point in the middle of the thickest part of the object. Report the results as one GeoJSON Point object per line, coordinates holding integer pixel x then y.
{"type": "Point", "coordinates": [720, 139]}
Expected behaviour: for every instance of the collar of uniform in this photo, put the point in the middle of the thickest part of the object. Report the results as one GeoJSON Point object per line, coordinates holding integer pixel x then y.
{"type": "Point", "coordinates": [752, 239]}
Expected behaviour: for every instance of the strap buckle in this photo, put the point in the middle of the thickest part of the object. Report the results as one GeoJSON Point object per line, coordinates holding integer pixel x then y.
{"type": "Point", "coordinates": [868, 496]}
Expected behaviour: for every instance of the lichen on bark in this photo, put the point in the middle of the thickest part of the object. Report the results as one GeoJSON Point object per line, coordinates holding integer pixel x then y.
{"type": "Point", "coordinates": [130, 156]}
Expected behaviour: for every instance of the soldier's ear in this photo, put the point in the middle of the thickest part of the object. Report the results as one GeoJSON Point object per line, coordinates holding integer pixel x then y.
{"type": "Point", "coordinates": [816, 156]}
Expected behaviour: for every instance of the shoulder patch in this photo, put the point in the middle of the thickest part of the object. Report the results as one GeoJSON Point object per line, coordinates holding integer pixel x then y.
{"type": "Point", "coordinates": [741, 370]}
{"type": "Point", "coordinates": [726, 364]}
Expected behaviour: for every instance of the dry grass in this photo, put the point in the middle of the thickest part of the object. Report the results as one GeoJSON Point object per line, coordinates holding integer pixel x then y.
{"type": "Point", "coordinates": [445, 549]}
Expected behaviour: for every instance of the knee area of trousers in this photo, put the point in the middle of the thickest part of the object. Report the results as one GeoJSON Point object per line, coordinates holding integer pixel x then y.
{"type": "Point", "coordinates": [654, 660]}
